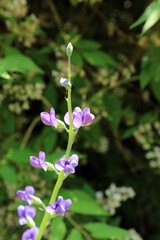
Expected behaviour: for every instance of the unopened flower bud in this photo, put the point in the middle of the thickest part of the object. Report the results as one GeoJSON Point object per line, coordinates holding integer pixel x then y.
{"type": "Point", "coordinates": [30, 222]}
{"type": "Point", "coordinates": [69, 49]}
{"type": "Point", "coordinates": [64, 82]}
{"type": "Point", "coordinates": [36, 200]}
{"type": "Point", "coordinates": [50, 166]}
{"type": "Point", "coordinates": [61, 124]}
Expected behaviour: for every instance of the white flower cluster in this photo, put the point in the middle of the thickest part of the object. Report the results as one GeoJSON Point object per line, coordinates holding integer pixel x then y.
{"type": "Point", "coordinates": [134, 235]}
{"type": "Point", "coordinates": [26, 27]}
{"type": "Point", "coordinates": [154, 157]}
{"type": "Point", "coordinates": [114, 196]}
{"type": "Point", "coordinates": [144, 135]}
{"type": "Point", "coordinates": [19, 96]}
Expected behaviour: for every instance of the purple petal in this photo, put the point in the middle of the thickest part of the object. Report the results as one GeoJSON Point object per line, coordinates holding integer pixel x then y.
{"type": "Point", "coordinates": [45, 117]}
{"type": "Point", "coordinates": [42, 160]}
{"type": "Point", "coordinates": [60, 200]}
{"type": "Point", "coordinates": [87, 119]}
{"type": "Point", "coordinates": [67, 203]}
{"type": "Point", "coordinates": [35, 162]}
{"type": "Point", "coordinates": [60, 164]}
{"type": "Point", "coordinates": [86, 110]}
{"type": "Point", "coordinates": [20, 210]}
{"type": "Point", "coordinates": [30, 212]}
{"type": "Point", "coordinates": [30, 234]}
{"type": "Point", "coordinates": [29, 190]}
{"type": "Point", "coordinates": [60, 210]}
{"type": "Point", "coordinates": [52, 111]}
{"type": "Point", "coordinates": [42, 156]}
{"type": "Point", "coordinates": [54, 121]}
{"type": "Point", "coordinates": [66, 118]}
{"type": "Point", "coordinates": [77, 122]}
{"type": "Point", "coordinates": [51, 207]}
{"type": "Point", "coordinates": [21, 194]}
{"type": "Point", "coordinates": [67, 169]}
{"type": "Point", "coordinates": [78, 110]}
{"type": "Point", "coordinates": [22, 221]}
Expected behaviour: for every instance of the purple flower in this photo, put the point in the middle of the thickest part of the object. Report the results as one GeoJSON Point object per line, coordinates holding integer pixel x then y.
{"type": "Point", "coordinates": [30, 234]}
{"type": "Point", "coordinates": [39, 162]}
{"type": "Point", "coordinates": [49, 119]}
{"type": "Point", "coordinates": [69, 165]}
{"type": "Point", "coordinates": [24, 212]}
{"type": "Point", "coordinates": [26, 195]}
{"type": "Point", "coordinates": [60, 207]}
{"type": "Point", "coordinates": [80, 117]}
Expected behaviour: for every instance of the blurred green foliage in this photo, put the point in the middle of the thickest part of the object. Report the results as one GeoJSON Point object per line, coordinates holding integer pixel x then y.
{"type": "Point", "coordinates": [115, 72]}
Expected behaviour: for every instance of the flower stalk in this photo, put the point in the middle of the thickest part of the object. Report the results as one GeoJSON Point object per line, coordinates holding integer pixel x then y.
{"type": "Point", "coordinates": [60, 179]}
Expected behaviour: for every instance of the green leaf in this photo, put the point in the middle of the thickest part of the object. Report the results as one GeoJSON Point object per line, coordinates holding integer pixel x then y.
{"type": "Point", "coordinates": [51, 95]}
{"type": "Point", "coordinates": [77, 59]}
{"type": "Point", "coordinates": [82, 203]}
{"type": "Point", "coordinates": [149, 117]}
{"type": "Point", "coordinates": [58, 228]}
{"type": "Point", "coordinates": [9, 122]}
{"type": "Point", "coordinates": [18, 63]}
{"type": "Point", "coordinates": [20, 156]}
{"type": "Point", "coordinates": [102, 230]}
{"type": "Point", "coordinates": [98, 58]}
{"type": "Point", "coordinates": [113, 107]}
{"type": "Point", "coordinates": [129, 132]}
{"type": "Point", "coordinates": [148, 11]}
{"type": "Point", "coordinates": [144, 79]}
{"type": "Point", "coordinates": [8, 174]}
{"type": "Point", "coordinates": [47, 139]}
{"type": "Point", "coordinates": [87, 45]}
{"type": "Point", "coordinates": [74, 235]}
{"type": "Point", "coordinates": [155, 86]}
{"type": "Point", "coordinates": [151, 20]}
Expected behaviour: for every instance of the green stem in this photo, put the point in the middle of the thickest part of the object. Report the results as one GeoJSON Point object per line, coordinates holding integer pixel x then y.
{"type": "Point", "coordinates": [60, 179]}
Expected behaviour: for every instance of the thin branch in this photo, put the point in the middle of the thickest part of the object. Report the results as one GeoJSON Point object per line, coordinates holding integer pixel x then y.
{"type": "Point", "coordinates": [29, 132]}
{"type": "Point", "coordinates": [77, 226]}
{"type": "Point", "coordinates": [56, 15]}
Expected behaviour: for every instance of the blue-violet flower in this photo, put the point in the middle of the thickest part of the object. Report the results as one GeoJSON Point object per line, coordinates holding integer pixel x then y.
{"type": "Point", "coordinates": [39, 162]}
{"type": "Point", "coordinates": [69, 165]}
{"type": "Point", "coordinates": [26, 195]}
{"type": "Point", "coordinates": [49, 119]}
{"type": "Point", "coordinates": [59, 207]}
{"type": "Point", "coordinates": [30, 234]}
{"type": "Point", "coordinates": [79, 117]}
{"type": "Point", "coordinates": [24, 212]}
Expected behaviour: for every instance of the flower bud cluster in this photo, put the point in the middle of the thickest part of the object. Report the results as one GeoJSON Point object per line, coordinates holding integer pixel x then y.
{"type": "Point", "coordinates": [134, 235]}
{"type": "Point", "coordinates": [144, 135]}
{"type": "Point", "coordinates": [20, 96]}
{"type": "Point", "coordinates": [26, 29]}
{"type": "Point", "coordinates": [154, 157]}
{"type": "Point", "coordinates": [114, 196]}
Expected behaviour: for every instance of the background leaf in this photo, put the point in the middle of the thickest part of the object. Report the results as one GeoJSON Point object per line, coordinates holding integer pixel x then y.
{"type": "Point", "coordinates": [8, 174]}
{"type": "Point", "coordinates": [105, 231]}
{"type": "Point", "coordinates": [74, 235]}
{"type": "Point", "coordinates": [58, 228]}
{"type": "Point", "coordinates": [114, 110]}
{"type": "Point", "coordinates": [83, 203]}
